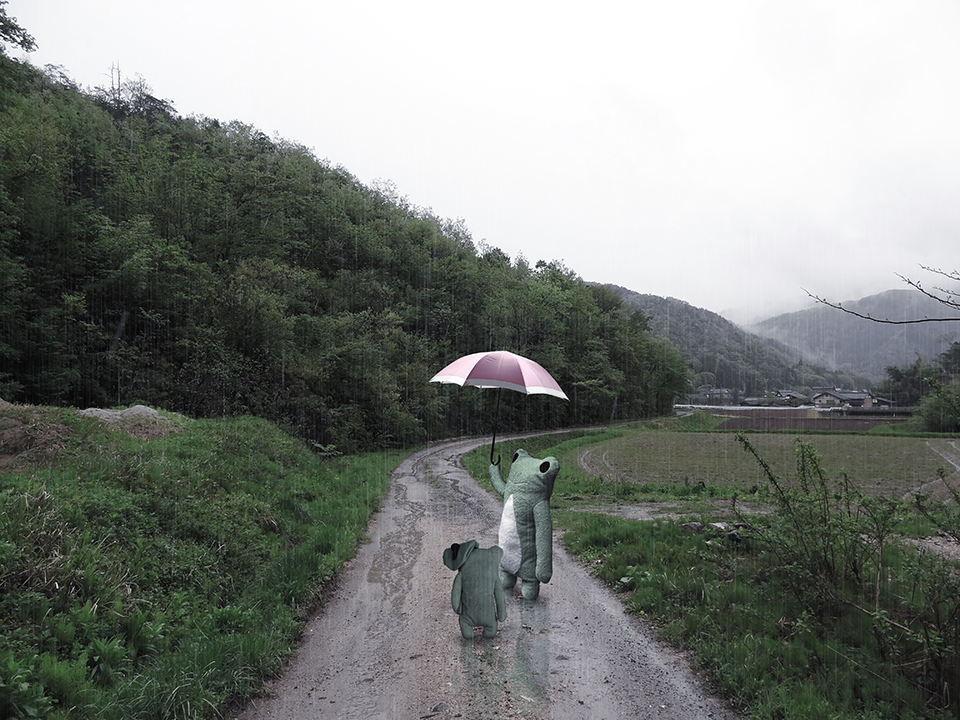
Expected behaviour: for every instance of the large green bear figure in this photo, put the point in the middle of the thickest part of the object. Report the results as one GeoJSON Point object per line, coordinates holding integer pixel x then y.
{"type": "Point", "coordinates": [477, 597]}
{"type": "Point", "coordinates": [526, 528]}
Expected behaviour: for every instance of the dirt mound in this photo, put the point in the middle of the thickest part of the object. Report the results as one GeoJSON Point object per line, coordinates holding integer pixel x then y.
{"type": "Point", "coordinates": [23, 433]}
{"type": "Point", "coordinates": [140, 421]}
{"type": "Point", "coordinates": [27, 431]}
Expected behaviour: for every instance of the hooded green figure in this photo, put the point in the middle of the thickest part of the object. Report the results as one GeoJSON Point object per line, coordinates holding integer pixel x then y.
{"type": "Point", "coordinates": [477, 596]}
{"type": "Point", "coordinates": [526, 528]}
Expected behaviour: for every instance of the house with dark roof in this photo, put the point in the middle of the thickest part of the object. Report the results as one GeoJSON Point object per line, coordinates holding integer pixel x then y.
{"type": "Point", "coordinates": [834, 397]}
{"type": "Point", "coordinates": [790, 397]}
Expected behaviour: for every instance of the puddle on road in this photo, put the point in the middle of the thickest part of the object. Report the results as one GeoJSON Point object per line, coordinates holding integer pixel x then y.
{"type": "Point", "coordinates": [510, 672]}
{"type": "Point", "coordinates": [400, 548]}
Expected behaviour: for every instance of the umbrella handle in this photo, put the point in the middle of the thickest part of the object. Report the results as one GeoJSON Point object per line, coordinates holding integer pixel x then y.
{"type": "Point", "coordinates": [494, 440]}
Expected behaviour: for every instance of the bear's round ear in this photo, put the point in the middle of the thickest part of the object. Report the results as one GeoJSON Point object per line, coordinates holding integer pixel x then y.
{"type": "Point", "coordinates": [544, 466]}
{"type": "Point", "coordinates": [515, 456]}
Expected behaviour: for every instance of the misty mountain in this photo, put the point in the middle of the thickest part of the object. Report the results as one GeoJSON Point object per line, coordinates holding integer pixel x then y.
{"type": "Point", "coordinates": [843, 342]}
{"type": "Point", "coordinates": [816, 347]}
{"type": "Point", "coordinates": [723, 355]}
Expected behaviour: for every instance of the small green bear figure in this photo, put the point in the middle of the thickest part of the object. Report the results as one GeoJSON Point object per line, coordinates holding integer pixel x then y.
{"type": "Point", "coordinates": [477, 596]}
{"type": "Point", "coordinates": [526, 528]}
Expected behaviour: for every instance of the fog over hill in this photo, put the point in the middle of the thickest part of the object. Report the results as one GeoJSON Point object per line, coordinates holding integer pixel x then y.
{"type": "Point", "coordinates": [815, 347]}
{"type": "Point", "coordinates": [723, 355]}
{"type": "Point", "coordinates": [841, 341]}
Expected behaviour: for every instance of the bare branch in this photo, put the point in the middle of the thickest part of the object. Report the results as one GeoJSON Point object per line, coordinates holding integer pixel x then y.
{"type": "Point", "coordinates": [838, 306]}
{"type": "Point", "coordinates": [938, 298]}
{"type": "Point", "coordinates": [955, 276]}
{"type": "Point", "coordinates": [946, 297]}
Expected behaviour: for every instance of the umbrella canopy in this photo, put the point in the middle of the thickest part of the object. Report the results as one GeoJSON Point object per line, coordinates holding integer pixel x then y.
{"type": "Point", "coordinates": [500, 369]}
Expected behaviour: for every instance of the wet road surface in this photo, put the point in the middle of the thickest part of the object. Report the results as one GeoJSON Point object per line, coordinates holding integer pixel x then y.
{"type": "Point", "coordinates": [387, 644]}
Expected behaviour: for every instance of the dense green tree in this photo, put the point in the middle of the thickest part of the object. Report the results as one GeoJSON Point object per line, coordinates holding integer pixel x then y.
{"type": "Point", "coordinates": [11, 32]}
{"type": "Point", "coordinates": [935, 390]}
{"type": "Point", "coordinates": [208, 269]}
{"type": "Point", "coordinates": [907, 384]}
{"type": "Point", "coordinates": [950, 359]}
{"type": "Point", "coordinates": [12, 277]}
{"type": "Point", "coordinates": [940, 409]}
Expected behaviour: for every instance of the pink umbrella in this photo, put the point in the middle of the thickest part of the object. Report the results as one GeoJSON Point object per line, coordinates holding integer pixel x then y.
{"type": "Point", "coordinates": [500, 369]}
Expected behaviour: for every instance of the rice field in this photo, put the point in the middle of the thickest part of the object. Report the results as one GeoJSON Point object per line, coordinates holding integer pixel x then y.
{"type": "Point", "coordinates": [880, 465]}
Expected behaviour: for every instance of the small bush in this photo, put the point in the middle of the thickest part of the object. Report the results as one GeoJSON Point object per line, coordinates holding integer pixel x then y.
{"type": "Point", "coordinates": [940, 409]}
{"type": "Point", "coordinates": [21, 695]}
{"type": "Point", "coordinates": [66, 682]}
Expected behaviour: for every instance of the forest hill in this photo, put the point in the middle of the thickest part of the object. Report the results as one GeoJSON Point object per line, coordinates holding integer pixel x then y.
{"type": "Point", "coordinates": [207, 269]}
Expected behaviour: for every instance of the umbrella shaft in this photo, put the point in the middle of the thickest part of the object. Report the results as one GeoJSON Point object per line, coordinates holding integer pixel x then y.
{"type": "Point", "coordinates": [493, 442]}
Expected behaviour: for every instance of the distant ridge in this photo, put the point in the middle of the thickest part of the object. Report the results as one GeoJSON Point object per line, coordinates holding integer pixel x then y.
{"type": "Point", "coordinates": [841, 341]}
{"type": "Point", "coordinates": [724, 355]}
{"type": "Point", "coordinates": [816, 347]}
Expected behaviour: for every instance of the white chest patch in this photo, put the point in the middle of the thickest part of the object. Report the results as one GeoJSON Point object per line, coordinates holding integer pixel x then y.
{"type": "Point", "coordinates": [509, 538]}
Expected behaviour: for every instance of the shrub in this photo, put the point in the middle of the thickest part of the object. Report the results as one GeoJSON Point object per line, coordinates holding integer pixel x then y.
{"type": "Point", "coordinates": [21, 695]}
{"type": "Point", "coordinates": [940, 409]}
{"type": "Point", "coordinates": [819, 536]}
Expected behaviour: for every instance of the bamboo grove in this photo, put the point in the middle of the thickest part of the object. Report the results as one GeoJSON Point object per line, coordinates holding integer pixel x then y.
{"type": "Point", "coordinates": [206, 268]}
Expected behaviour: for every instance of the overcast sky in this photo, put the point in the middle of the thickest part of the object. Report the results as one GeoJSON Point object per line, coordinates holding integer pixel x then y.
{"type": "Point", "coordinates": [724, 153]}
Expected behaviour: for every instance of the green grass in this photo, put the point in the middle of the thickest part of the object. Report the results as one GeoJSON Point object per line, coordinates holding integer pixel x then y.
{"type": "Point", "coordinates": [727, 603]}
{"type": "Point", "coordinates": [800, 616]}
{"type": "Point", "coordinates": [165, 578]}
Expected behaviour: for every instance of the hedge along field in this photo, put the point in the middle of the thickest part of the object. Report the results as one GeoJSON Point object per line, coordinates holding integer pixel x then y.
{"type": "Point", "coordinates": [878, 465]}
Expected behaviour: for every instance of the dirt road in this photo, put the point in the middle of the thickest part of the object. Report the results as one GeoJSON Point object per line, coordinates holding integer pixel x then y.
{"type": "Point", "coordinates": [387, 644]}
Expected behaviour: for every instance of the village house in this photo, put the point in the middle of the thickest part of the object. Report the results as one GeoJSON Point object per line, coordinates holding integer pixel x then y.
{"type": "Point", "coordinates": [834, 397]}
{"type": "Point", "coordinates": [790, 397]}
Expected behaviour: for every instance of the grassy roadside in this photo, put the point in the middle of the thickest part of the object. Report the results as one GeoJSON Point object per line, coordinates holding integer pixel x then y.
{"type": "Point", "coordinates": [813, 609]}
{"type": "Point", "coordinates": [163, 577]}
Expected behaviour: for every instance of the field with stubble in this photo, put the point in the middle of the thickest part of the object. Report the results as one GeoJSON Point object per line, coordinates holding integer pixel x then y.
{"type": "Point", "coordinates": [879, 465]}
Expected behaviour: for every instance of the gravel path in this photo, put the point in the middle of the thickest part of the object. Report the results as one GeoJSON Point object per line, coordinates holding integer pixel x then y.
{"type": "Point", "coordinates": [387, 644]}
